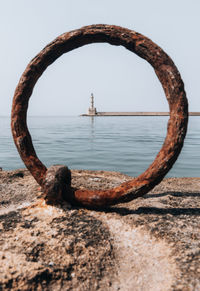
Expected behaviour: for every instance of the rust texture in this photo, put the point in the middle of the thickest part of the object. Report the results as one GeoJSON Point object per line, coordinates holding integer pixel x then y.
{"type": "Point", "coordinates": [52, 181]}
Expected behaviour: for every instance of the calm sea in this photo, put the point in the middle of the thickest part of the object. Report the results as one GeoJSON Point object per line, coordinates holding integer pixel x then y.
{"type": "Point", "coordinates": [124, 144]}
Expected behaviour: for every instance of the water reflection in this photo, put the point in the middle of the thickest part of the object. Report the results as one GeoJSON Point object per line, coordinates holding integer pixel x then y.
{"type": "Point", "coordinates": [92, 132]}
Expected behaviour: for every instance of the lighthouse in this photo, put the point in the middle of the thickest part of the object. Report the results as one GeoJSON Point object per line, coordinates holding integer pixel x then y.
{"type": "Point", "coordinates": [92, 110]}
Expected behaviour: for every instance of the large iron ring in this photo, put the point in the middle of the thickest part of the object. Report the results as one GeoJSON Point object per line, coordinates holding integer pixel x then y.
{"type": "Point", "coordinates": [56, 182]}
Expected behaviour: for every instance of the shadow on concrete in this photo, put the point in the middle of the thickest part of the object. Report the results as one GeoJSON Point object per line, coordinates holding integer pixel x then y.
{"type": "Point", "coordinates": [155, 210]}
{"type": "Point", "coordinates": [175, 211]}
{"type": "Point", "coordinates": [174, 194]}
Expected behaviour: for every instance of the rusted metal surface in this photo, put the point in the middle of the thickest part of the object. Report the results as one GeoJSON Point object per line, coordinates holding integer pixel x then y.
{"type": "Point", "coordinates": [177, 125]}
{"type": "Point", "coordinates": [57, 183]}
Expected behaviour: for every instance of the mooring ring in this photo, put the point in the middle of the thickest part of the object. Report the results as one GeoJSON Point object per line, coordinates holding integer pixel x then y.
{"type": "Point", "coordinates": [167, 74]}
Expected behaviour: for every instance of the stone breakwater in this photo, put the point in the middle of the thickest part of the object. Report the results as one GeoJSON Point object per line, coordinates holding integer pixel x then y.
{"type": "Point", "coordinates": [151, 243]}
{"type": "Point", "coordinates": [136, 114]}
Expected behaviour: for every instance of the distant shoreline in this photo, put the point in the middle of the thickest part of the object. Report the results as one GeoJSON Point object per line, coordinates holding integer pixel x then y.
{"type": "Point", "coordinates": [136, 114]}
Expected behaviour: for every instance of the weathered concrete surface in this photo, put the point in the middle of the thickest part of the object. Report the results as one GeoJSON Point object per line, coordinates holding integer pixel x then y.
{"type": "Point", "coordinates": [152, 243]}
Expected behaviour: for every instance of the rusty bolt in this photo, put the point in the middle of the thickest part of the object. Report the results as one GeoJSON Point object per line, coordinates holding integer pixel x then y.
{"type": "Point", "coordinates": [173, 87]}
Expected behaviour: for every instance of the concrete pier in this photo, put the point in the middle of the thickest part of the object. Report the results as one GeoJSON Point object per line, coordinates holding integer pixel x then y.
{"type": "Point", "coordinates": [136, 114]}
{"type": "Point", "coordinates": [92, 111]}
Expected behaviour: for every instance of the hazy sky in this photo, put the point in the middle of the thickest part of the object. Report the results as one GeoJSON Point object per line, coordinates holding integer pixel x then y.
{"type": "Point", "coordinates": [120, 80]}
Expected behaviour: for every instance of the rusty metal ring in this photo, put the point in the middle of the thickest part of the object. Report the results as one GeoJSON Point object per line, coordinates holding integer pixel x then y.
{"type": "Point", "coordinates": [177, 125]}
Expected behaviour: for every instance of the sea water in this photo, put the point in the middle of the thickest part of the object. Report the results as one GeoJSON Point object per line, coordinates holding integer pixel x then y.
{"type": "Point", "coordinates": [124, 144]}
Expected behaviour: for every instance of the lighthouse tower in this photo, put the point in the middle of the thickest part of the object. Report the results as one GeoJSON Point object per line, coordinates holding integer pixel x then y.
{"type": "Point", "coordinates": [92, 110]}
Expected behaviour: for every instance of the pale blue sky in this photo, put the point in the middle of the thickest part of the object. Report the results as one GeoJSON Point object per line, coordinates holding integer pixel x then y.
{"type": "Point", "coordinates": [120, 80]}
